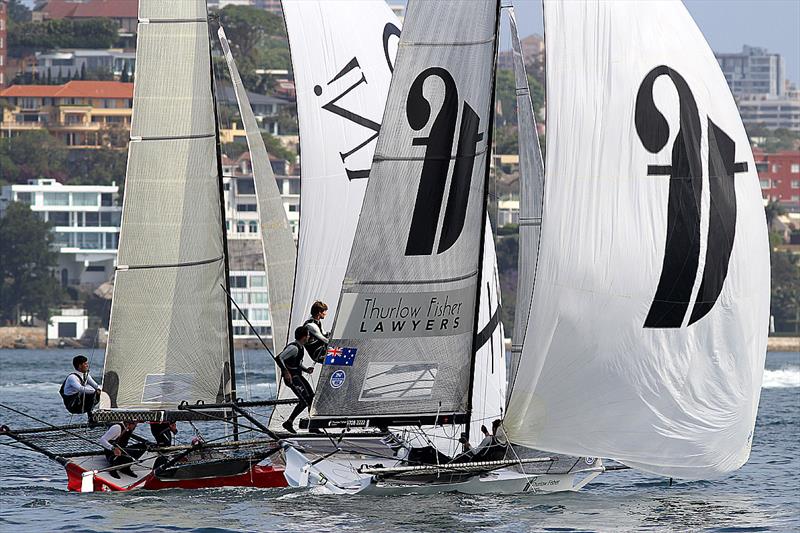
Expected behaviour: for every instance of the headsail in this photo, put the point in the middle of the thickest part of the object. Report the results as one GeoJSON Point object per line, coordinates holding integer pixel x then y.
{"type": "Point", "coordinates": [531, 191]}
{"type": "Point", "coordinates": [345, 51]}
{"type": "Point", "coordinates": [650, 311]}
{"type": "Point", "coordinates": [169, 337]}
{"type": "Point", "coordinates": [280, 253]}
{"type": "Point", "coordinates": [406, 320]}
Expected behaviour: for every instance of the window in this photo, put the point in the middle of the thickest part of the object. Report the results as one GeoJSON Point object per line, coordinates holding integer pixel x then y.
{"type": "Point", "coordinates": [56, 198]}
{"type": "Point", "coordinates": [253, 226]}
{"type": "Point", "coordinates": [92, 219]}
{"type": "Point", "coordinates": [258, 297]}
{"type": "Point", "coordinates": [775, 168]}
{"type": "Point", "coordinates": [245, 186]}
{"type": "Point", "coordinates": [257, 280]}
{"type": "Point", "coordinates": [245, 207]}
{"type": "Point", "coordinates": [67, 330]}
{"type": "Point", "coordinates": [240, 297]}
{"type": "Point", "coordinates": [109, 219]}
{"type": "Point", "coordinates": [293, 208]}
{"type": "Point", "coordinates": [240, 330]}
{"type": "Point", "coordinates": [59, 218]}
{"type": "Point", "coordinates": [795, 168]}
{"type": "Point", "coordinates": [762, 167]}
{"type": "Point", "coordinates": [106, 199]}
{"type": "Point", "coordinates": [795, 184]}
{"type": "Point", "coordinates": [765, 184]}
{"type": "Point", "coordinates": [238, 315]}
{"type": "Point", "coordinates": [264, 330]}
{"type": "Point", "coordinates": [294, 186]}
{"type": "Point", "coordinates": [90, 241]}
{"type": "Point", "coordinates": [61, 239]}
{"type": "Point", "coordinates": [25, 197]}
{"type": "Point", "coordinates": [112, 240]}
{"type": "Point", "coordinates": [84, 198]}
{"type": "Point", "coordinates": [95, 268]}
{"type": "Point", "coordinates": [240, 282]}
{"type": "Point", "coordinates": [259, 314]}
{"type": "Point", "coordinates": [240, 226]}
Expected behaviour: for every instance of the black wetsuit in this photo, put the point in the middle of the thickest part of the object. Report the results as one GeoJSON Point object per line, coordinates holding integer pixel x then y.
{"type": "Point", "coordinates": [291, 360]}
{"type": "Point", "coordinates": [317, 344]}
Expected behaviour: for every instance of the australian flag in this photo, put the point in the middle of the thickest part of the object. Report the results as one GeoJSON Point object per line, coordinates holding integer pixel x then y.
{"type": "Point", "coordinates": [340, 356]}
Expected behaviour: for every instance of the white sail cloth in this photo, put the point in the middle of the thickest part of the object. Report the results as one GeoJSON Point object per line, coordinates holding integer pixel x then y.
{"type": "Point", "coordinates": [280, 252]}
{"type": "Point", "coordinates": [650, 310]}
{"type": "Point", "coordinates": [169, 337]}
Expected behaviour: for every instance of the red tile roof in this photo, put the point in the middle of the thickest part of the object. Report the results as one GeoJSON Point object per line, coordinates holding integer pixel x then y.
{"type": "Point", "coordinates": [72, 89]}
{"type": "Point", "coordinates": [60, 9]}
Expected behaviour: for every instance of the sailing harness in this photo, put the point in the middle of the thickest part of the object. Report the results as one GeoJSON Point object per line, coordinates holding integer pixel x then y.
{"type": "Point", "coordinates": [76, 403]}
{"type": "Point", "coordinates": [315, 347]}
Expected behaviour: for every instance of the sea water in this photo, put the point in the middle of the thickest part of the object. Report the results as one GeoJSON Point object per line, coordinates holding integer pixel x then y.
{"type": "Point", "coordinates": [762, 496]}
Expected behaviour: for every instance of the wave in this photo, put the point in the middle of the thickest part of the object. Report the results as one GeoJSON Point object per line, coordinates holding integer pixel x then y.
{"type": "Point", "coordinates": [782, 378]}
{"type": "Point", "coordinates": [29, 387]}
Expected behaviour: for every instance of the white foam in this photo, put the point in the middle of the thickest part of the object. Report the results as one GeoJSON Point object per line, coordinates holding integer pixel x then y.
{"type": "Point", "coordinates": [782, 378]}
{"type": "Point", "coordinates": [29, 387]}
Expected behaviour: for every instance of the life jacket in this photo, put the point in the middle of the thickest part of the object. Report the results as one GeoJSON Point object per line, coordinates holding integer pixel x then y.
{"type": "Point", "coordinates": [314, 345]}
{"type": "Point", "coordinates": [293, 365]}
{"type": "Point", "coordinates": [73, 402]}
{"type": "Point", "coordinates": [124, 437]}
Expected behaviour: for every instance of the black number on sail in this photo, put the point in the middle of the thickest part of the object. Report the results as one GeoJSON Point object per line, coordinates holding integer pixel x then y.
{"type": "Point", "coordinates": [682, 250]}
{"type": "Point", "coordinates": [439, 143]}
{"type": "Point", "coordinates": [389, 31]}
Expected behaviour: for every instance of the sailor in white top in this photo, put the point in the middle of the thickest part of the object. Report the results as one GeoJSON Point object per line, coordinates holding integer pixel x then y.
{"type": "Point", "coordinates": [79, 391]}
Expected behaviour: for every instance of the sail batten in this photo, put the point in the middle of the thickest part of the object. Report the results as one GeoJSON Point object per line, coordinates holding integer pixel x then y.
{"type": "Point", "coordinates": [647, 332]}
{"type": "Point", "coordinates": [169, 338]}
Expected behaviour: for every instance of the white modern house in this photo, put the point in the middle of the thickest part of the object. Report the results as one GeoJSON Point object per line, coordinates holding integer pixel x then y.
{"type": "Point", "coordinates": [85, 221]}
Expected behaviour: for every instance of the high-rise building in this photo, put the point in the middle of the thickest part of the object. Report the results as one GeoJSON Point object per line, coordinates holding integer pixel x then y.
{"type": "Point", "coordinates": [753, 71]}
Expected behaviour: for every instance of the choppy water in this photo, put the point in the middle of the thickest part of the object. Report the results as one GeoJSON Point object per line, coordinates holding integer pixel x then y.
{"type": "Point", "coordinates": [763, 496]}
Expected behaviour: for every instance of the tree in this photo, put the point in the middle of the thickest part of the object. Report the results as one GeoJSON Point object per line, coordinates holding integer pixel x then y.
{"type": "Point", "coordinates": [773, 210]}
{"type": "Point", "coordinates": [785, 293]}
{"type": "Point", "coordinates": [18, 12]}
{"type": "Point", "coordinates": [28, 37]}
{"type": "Point", "coordinates": [25, 265]}
{"type": "Point", "coordinates": [276, 148]}
{"type": "Point", "coordinates": [100, 166]}
{"type": "Point", "coordinates": [30, 155]}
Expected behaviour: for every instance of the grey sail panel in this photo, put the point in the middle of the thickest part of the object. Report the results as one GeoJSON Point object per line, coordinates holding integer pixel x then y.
{"type": "Point", "coordinates": [280, 252]}
{"type": "Point", "coordinates": [408, 303]}
{"type": "Point", "coordinates": [531, 172]}
{"type": "Point", "coordinates": [168, 338]}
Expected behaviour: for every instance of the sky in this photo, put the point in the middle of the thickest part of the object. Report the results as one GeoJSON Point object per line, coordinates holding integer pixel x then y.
{"type": "Point", "coordinates": [726, 24]}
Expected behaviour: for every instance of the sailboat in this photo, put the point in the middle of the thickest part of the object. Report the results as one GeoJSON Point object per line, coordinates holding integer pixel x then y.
{"type": "Point", "coordinates": [645, 257]}
{"type": "Point", "coordinates": [170, 354]}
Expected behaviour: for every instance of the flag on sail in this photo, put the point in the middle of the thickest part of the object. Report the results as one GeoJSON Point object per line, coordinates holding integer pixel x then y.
{"type": "Point", "coordinates": [340, 356]}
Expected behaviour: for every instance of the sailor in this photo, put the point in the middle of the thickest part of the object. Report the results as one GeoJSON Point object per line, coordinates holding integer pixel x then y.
{"type": "Point", "coordinates": [317, 344]}
{"type": "Point", "coordinates": [291, 362]}
{"type": "Point", "coordinates": [163, 432]}
{"type": "Point", "coordinates": [118, 452]}
{"type": "Point", "coordinates": [79, 391]}
{"type": "Point", "coordinates": [493, 447]}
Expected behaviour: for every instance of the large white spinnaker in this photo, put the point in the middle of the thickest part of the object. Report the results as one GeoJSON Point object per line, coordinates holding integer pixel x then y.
{"type": "Point", "coordinates": [531, 191]}
{"type": "Point", "coordinates": [650, 311]}
{"type": "Point", "coordinates": [407, 317]}
{"type": "Point", "coordinates": [342, 57]}
{"type": "Point", "coordinates": [169, 337]}
{"type": "Point", "coordinates": [277, 243]}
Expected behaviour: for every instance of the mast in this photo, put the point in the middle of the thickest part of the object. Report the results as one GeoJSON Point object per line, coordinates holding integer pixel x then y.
{"type": "Point", "coordinates": [221, 189]}
{"type": "Point", "coordinates": [478, 287]}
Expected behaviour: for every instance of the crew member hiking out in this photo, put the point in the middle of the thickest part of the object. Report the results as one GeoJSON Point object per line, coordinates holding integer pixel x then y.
{"type": "Point", "coordinates": [291, 362]}
{"type": "Point", "coordinates": [317, 344]}
{"type": "Point", "coordinates": [118, 452]}
{"type": "Point", "coordinates": [79, 391]}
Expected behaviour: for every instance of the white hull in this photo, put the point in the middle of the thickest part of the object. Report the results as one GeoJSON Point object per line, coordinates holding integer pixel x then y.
{"type": "Point", "coordinates": [338, 474]}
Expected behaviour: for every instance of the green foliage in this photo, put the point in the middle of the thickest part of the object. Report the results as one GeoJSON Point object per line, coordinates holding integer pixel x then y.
{"type": "Point", "coordinates": [34, 154]}
{"type": "Point", "coordinates": [507, 96]}
{"type": "Point", "coordinates": [97, 167]}
{"type": "Point", "coordinates": [774, 140]}
{"type": "Point", "coordinates": [18, 12]}
{"type": "Point", "coordinates": [507, 252]}
{"type": "Point", "coordinates": [27, 284]}
{"type": "Point", "coordinates": [27, 37]}
{"type": "Point", "coordinates": [785, 293]}
{"type": "Point", "coordinates": [276, 149]}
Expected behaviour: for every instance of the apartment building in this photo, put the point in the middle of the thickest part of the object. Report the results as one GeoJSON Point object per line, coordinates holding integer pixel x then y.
{"type": "Point", "coordinates": [81, 113]}
{"type": "Point", "coordinates": [69, 63]}
{"type": "Point", "coordinates": [85, 219]}
{"type": "Point", "coordinates": [779, 174]}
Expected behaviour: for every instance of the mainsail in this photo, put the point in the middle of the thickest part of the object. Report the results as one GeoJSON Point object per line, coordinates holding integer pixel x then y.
{"type": "Point", "coordinates": [169, 338]}
{"type": "Point", "coordinates": [531, 191]}
{"type": "Point", "coordinates": [280, 253]}
{"type": "Point", "coordinates": [649, 318]}
{"type": "Point", "coordinates": [342, 55]}
{"type": "Point", "coordinates": [407, 314]}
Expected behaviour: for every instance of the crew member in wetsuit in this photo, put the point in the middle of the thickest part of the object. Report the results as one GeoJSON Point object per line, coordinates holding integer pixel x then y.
{"type": "Point", "coordinates": [317, 344]}
{"type": "Point", "coordinates": [79, 391]}
{"type": "Point", "coordinates": [118, 452]}
{"type": "Point", "coordinates": [493, 447]}
{"type": "Point", "coordinates": [291, 362]}
{"type": "Point", "coordinates": [163, 432]}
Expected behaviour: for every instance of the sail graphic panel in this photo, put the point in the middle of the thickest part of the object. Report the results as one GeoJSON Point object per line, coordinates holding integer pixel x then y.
{"type": "Point", "coordinates": [531, 192]}
{"type": "Point", "coordinates": [280, 253]}
{"type": "Point", "coordinates": [650, 310]}
{"type": "Point", "coordinates": [342, 57]}
{"type": "Point", "coordinates": [168, 338]}
{"type": "Point", "coordinates": [406, 317]}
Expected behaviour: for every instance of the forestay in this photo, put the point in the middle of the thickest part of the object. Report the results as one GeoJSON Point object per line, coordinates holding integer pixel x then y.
{"type": "Point", "coordinates": [169, 337]}
{"type": "Point", "coordinates": [531, 192]}
{"type": "Point", "coordinates": [342, 56]}
{"type": "Point", "coordinates": [650, 311]}
{"type": "Point", "coordinates": [280, 253]}
{"type": "Point", "coordinates": [406, 319]}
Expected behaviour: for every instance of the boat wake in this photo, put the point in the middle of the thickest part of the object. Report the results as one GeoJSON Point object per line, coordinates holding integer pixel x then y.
{"type": "Point", "coordinates": [782, 378]}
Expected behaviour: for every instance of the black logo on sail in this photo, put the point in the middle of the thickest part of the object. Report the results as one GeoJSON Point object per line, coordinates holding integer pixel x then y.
{"type": "Point", "coordinates": [682, 251]}
{"type": "Point", "coordinates": [337, 108]}
{"type": "Point", "coordinates": [438, 146]}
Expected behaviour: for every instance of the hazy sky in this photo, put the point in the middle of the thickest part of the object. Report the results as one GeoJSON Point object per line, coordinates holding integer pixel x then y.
{"type": "Point", "coordinates": [726, 24]}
